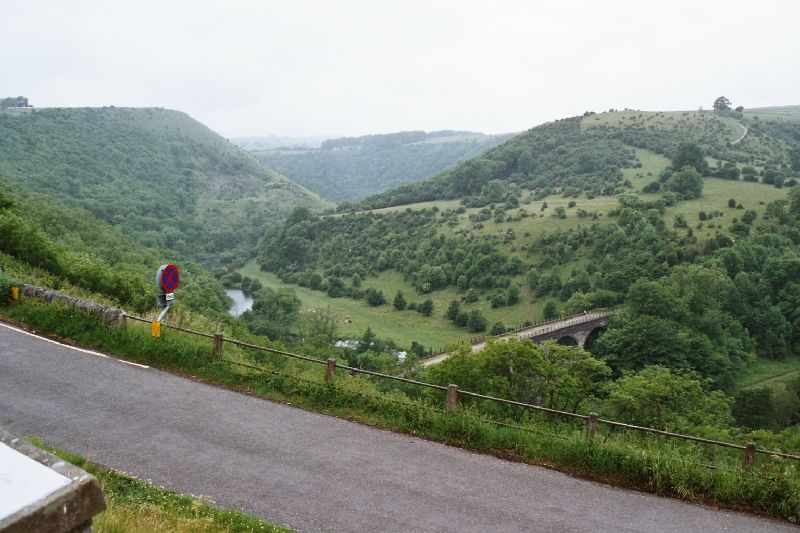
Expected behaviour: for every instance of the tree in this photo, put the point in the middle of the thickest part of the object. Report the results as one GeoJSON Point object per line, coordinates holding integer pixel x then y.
{"type": "Point", "coordinates": [687, 183]}
{"type": "Point", "coordinates": [728, 171]}
{"type": "Point", "coordinates": [14, 101]}
{"type": "Point", "coordinates": [672, 400]}
{"type": "Point", "coordinates": [374, 297]}
{"type": "Point", "coordinates": [318, 324]}
{"type": "Point", "coordinates": [426, 307]}
{"type": "Point", "coordinates": [497, 329]}
{"type": "Point", "coordinates": [399, 302]}
{"type": "Point", "coordinates": [513, 293]}
{"type": "Point", "coordinates": [273, 312]}
{"type": "Point", "coordinates": [690, 154]}
{"type": "Point", "coordinates": [476, 322]}
{"type": "Point", "coordinates": [722, 104]}
{"type": "Point", "coordinates": [498, 300]}
{"type": "Point", "coordinates": [794, 157]}
{"type": "Point", "coordinates": [559, 377]}
{"type": "Point", "coordinates": [452, 310]}
{"type": "Point", "coordinates": [755, 409]}
{"type": "Point", "coordinates": [366, 341]}
{"type": "Point", "coordinates": [550, 311]}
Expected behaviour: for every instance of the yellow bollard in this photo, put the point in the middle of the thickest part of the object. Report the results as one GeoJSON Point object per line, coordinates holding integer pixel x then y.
{"type": "Point", "coordinates": [155, 328]}
{"type": "Point", "coordinates": [15, 293]}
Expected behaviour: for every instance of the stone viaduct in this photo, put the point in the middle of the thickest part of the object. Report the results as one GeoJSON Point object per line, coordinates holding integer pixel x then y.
{"type": "Point", "coordinates": [574, 330]}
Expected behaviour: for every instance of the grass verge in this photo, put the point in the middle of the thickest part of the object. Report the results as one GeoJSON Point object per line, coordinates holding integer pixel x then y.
{"type": "Point", "coordinates": [646, 463]}
{"type": "Point", "coordinates": [136, 506]}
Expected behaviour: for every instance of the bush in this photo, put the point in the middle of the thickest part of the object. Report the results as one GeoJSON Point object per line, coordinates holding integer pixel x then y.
{"type": "Point", "coordinates": [426, 307]}
{"type": "Point", "coordinates": [498, 300]}
{"type": "Point", "coordinates": [6, 284]}
{"type": "Point", "coordinates": [476, 321]}
{"type": "Point", "coordinates": [374, 297]}
{"type": "Point", "coordinates": [497, 329]}
{"type": "Point", "coordinates": [653, 186]}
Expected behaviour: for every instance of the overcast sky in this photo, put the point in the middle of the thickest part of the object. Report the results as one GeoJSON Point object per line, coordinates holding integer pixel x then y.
{"type": "Point", "coordinates": [350, 68]}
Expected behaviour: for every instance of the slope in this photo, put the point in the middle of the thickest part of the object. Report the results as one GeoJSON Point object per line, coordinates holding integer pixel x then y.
{"type": "Point", "coordinates": [349, 169]}
{"type": "Point", "coordinates": [589, 153]}
{"type": "Point", "coordinates": [155, 174]}
{"type": "Point", "coordinates": [523, 243]}
{"type": "Point", "coordinates": [68, 249]}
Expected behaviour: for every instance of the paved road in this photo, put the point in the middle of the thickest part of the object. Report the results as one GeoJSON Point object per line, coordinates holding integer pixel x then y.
{"type": "Point", "coordinates": [309, 471]}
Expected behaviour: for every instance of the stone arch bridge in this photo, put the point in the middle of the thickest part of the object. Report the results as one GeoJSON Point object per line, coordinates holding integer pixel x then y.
{"type": "Point", "coordinates": [573, 330]}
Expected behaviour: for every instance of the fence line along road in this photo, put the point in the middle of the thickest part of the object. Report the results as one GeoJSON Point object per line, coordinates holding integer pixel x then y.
{"type": "Point", "coordinates": [592, 419]}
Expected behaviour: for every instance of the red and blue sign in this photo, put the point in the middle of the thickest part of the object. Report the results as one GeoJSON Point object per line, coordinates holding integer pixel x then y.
{"type": "Point", "coordinates": [168, 277]}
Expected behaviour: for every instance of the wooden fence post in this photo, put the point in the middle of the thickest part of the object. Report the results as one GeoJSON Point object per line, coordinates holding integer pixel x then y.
{"type": "Point", "coordinates": [217, 346]}
{"type": "Point", "coordinates": [452, 395]}
{"type": "Point", "coordinates": [591, 425]}
{"type": "Point", "coordinates": [749, 456]}
{"type": "Point", "coordinates": [330, 370]}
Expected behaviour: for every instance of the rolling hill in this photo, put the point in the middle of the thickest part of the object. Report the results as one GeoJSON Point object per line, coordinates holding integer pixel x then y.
{"type": "Point", "coordinates": [539, 212]}
{"type": "Point", "coordinates": [350, 168]}
{"type": "Point", "coordinates": [588, 153]}
{"type": "Point", "coordinates": [156, 175]}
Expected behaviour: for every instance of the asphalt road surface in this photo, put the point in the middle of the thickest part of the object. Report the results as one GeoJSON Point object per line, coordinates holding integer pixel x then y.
{"type": "Point", "coordinates": [308, 471]}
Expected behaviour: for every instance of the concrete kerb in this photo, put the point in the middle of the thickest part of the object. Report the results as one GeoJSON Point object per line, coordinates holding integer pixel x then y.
{"type": "Point", "coordinates": [69, 509]}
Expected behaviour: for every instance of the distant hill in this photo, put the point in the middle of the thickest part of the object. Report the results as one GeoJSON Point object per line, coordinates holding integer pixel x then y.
{"type": "Point", "coordinates": [588, 153]}
{"type": "Point", "coordinates": [270, 142]}
{"type": "Point", "coordinates": [155, 174]}
{"type": "Point", "coordinates": [789, 110]}
{"type": "Point", "coordinates": [350, 168]}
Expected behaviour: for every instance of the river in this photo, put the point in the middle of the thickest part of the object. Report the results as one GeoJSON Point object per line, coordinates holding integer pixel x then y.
{"type": "Point", "coordinates": [241, 302]}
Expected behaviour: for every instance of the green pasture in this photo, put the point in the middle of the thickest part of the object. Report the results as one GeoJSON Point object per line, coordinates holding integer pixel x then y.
{"type": "Point", "coordinates": [404, 326]}
{"type": "Point", "coordinates": [771, 373]}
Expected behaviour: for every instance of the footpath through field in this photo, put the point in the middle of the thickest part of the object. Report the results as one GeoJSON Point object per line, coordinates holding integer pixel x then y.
{"type": "Point", "coordinates": [309, 471]}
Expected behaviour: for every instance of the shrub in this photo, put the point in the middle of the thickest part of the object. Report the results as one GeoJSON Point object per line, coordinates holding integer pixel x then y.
{"type": "Point", "coordinates": [6, 284]}
{"type": "Point", "coordinates": [497, 329]}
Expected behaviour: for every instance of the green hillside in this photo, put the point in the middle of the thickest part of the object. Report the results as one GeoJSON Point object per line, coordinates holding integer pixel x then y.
{"type": "Point", "coordinates": [351, 168]}
{"type": "Point", "coordinates": [596, 209]}
{"type": "Point", "coordinates": [589, 154]}
{"type": "Point", "coordinates": [68, 249]}
{"type": "Point", "coordinates": [156, 175]}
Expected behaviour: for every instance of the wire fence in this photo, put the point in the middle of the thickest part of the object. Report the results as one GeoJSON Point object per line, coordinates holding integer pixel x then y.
{"type": "Point", "coordinates": [592, 420]}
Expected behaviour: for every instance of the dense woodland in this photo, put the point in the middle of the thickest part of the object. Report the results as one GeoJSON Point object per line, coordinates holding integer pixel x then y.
{"type": "Point", "coordinates": [158, 176]}
{"type": "Point", "coordinates": [350, 168]}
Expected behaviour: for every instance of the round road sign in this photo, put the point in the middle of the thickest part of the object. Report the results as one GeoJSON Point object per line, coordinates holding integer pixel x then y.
{"type": "Point", "coordinates": [169, 277]}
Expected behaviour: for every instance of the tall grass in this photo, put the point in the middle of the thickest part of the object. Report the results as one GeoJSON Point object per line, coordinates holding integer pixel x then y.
{"type": "Point", "coordinates": [693, 472]}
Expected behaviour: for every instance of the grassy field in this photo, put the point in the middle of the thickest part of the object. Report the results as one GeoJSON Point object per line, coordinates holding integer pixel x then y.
{"type": "Point", "coordinates": [665, 120]}
{"type": "Point", "coordinates": [774, 374]}
{"type": "Point", "coordinates": [403, 326]}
